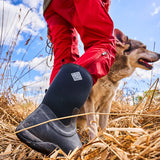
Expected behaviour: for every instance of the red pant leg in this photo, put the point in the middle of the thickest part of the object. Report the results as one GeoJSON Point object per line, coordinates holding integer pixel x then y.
{"type": "Point", "coordinates": [65, 40]}
{"type": "Point", "coordinates": [95, 28]}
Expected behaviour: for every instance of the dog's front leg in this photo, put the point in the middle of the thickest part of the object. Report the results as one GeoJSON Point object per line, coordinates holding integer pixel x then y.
{"type": "Point", "coordinates": [103, 119]}
{"type": "Point", "coordinates": [91, 118]}
{"type": "Point", "coordinates": [91, 123]}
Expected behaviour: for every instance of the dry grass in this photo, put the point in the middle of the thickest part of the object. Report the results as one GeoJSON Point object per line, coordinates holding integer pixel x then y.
{"type": "Point", "coordinates": [128, 137]}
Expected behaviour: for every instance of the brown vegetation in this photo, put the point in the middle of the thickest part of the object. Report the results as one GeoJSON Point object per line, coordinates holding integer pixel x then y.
{"type": "Point", "coordinates": [129, 135]}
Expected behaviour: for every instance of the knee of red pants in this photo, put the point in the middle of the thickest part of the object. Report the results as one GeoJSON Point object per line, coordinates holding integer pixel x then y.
{"type": "Point", "coordinates": [97, 61]}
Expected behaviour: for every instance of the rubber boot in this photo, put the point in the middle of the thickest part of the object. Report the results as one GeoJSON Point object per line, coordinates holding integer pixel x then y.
{"type": "Point", "coordinates": [65, 96]}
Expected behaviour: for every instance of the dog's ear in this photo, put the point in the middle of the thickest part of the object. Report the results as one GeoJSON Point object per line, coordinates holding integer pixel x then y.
{"type": "Point", "coordinates": [120, 36]}
{"type": "Point", "coordinates": [121, 42]}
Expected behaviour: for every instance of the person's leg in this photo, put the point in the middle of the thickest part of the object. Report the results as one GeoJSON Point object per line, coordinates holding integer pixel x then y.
{"type": "Point", "coordinates": [70, 85]}
{"type": "Point", "coordinates": [95, 27]}
{"type": "Point", "coordinates": [64, 38]}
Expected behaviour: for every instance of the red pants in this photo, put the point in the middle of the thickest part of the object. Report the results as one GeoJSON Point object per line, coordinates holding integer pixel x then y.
{"type": "Point", "coordinates": [95, 28]}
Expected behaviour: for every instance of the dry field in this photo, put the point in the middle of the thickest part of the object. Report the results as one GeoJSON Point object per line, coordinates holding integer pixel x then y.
{"type": "Point", "coordinates": [133, 133]}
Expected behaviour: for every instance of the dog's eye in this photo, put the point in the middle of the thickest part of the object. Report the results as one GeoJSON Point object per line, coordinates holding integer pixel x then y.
{"type": "Point", "coordinates": [144, 46]}
{"type": "Point", "coordinates": [126, 53]}
{"type": "Point", "coordinates": [128, 49]}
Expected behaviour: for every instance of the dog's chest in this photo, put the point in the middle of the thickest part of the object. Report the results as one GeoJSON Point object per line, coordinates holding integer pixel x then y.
{"type": "Point", "coordinates": [105, 93]}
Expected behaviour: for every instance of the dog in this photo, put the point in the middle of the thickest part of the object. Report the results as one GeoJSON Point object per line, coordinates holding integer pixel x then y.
{"type": "Point", "coordinates": [131, 54]}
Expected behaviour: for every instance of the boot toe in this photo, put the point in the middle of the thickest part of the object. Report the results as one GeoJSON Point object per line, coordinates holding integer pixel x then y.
{"type": "Point", "coordinates": [34, 142]}
{"type": "Point", "coordinates": [47, 137]}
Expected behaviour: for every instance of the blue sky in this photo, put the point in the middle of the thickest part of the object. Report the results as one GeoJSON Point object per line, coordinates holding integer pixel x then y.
{"type": "Point", "coordinates": [138, 19]}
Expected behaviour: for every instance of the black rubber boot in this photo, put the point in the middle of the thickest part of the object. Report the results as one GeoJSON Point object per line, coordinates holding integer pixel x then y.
{"type": "Point", "coordinates": [65, 96]}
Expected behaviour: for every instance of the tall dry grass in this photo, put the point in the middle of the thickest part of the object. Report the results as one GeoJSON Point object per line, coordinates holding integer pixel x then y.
{"type": "Point", "coordinates": [129, 136]}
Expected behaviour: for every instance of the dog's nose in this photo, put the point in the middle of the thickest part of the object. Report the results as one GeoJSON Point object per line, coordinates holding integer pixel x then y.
{"type": "Point", "coordinates": [159, 56]}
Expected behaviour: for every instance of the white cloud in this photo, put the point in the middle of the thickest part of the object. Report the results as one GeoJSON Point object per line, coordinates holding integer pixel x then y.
{"type": "Point", "coordinates": [41, 10]}
{"type": "Point", "coordinates": [156, 68]}
{"type": "Point", "coordinates": [39, 83]}
{"type": "Point", "coordinates": [16, 18]}
{"type": "Point", "coordinates": [144, 74]}
{"type": "Point", "coordinates": [33, 3]}
{"type": "Point", "coordinates": [21, 50]}
{"type": "Point", "coordinates": [20, 64]}
{"type": "Point", "coordinates": [158, 86]}
{"type": "Point", "coordinates": [156, 9]}
{"type": "Point", "coordinates": [141, 74]}
{"type": "Point", "coordinates": [37, 64]}
{"type": "Point", "coordinates": [37, 87]}
{"type": "Point", "coordinates": [40, 63]}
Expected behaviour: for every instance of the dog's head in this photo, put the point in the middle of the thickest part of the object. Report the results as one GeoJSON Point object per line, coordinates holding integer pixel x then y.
{"type": "Point", "coordinates": [136, 52]}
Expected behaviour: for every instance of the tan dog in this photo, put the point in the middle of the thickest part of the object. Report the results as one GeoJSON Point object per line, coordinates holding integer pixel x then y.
{"type": "Point", "coordinates": [130, 55]}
